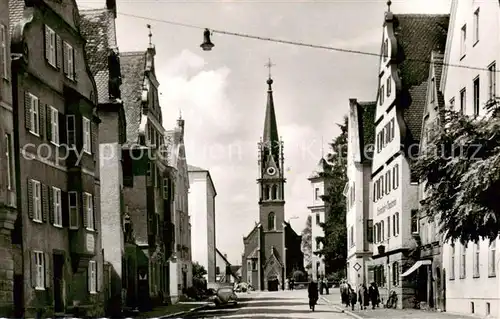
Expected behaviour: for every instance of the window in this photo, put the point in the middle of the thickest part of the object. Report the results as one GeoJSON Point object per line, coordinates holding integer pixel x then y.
{"type": "Point", "coordinates": [395, 273]}
{"type": "Point", "coordinates": [389, 86]}
{"type": "Point", "coordinates": [92, 276]}
{"type": "Point", "coordinates": [39, 262]}
{"type": "Point", "coordinates": [5, 60]}
{"type": "Point", "coordinates": [316, 193]}
{"type": "Point", "coordinates": [318, 246]}
{"type": "Point", "coordinates": [53, 117]}
{"type": "Point", "coordinates": [254, 264]}
{"type": "Point", "coordinates": [88, 210]}
{"type": "Point", "coordinates": [462, 100]}
{"type": "Point", "coordinates": [382, 231]}
{"type": "Point", "coordinates": [50, 46]}
{"type": "Point", "coordinates": [382, 91]}
{"type": "Point", "coordinates": [492, 81]}
{"type": "Point", "coordinates": [463, 255]}
{"type": "Point", "coordinates": [488, 309]}
{"type": "Point", "coordinates": [73, 210]}
{"type": "Point", "coordinates": [432, 89]}
{"type": "Point", "coordinates": [217, 270]}
{"type": "Point", "coordinates": [34, 111]}
{"type": "Point", "coordinates": [386, 49]}
{"type": "Point", "coordinates": [318, 219]}
{"type": "Point", "coordinates": [70, 130]}
{"type": "Point", "coordinates": [271, 221]}
{"type": "Point", "coordinates": [165, 188]}
{"type": "Point", "coordinates": [492, 259]}
{"type": "Point", "coordinates": [452, 262]}
{"type": "Point", "coordinates": [388, 227]}
{"type": "Point", "coordinates": [9, 161]}
{"type": "Point", "coordinates": [395, 224]}
{"type": "Point", "coordinates": [452, 103]}
{"type": "Point", "coordinates": [69, 58]}
{"type": "Point", "coordinates": [414, 221]}
{"type": "Point", "coordinates": [86, 135]}
{"type": "Point", "coordinates": [476, 260]}
{"type": "Point", "coordinates": [476, 26]}
{"type": "Point", "coordinates": [57, 206]}
{"type": "Point", "coordinates": [463, 40]}
{"type": "Point", "coordinates": [351, 239]}
{"type": "Point", "coordinates": [369, 230]}
{"type": "Point", "coordinates": [476, 96]}
{"type": "Point", "coordinates": [395, 176]}
{"type": "Point", "coordinates": [37, 200]}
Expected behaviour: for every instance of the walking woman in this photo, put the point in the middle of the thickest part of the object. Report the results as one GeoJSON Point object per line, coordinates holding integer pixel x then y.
{"type": "Point", "coordinates": [312, 292]}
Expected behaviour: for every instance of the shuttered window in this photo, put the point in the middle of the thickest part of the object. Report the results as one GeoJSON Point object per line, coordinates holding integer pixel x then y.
{"type": "Point", "coordinates": [92, 277]}
{"type": "Point", "coordinates": [56, 207]}
{"type": "Point", "coordinates": [73, 209]}
{"type": "Point", "coordinates": [39, 267]}
{"type": "Point", "coordinates": [53, 124]}
{"type": "Point", "coordinates": [68, 60]}
{"type": "Point", "coordinates": [87, 142]}
{"type": "Point", "coordinates": [9, 161]}
{"type": "Point", "coordinates": [50, 46]}
{"type": "Point", "coordinates": [32, 109]}
{"type": "Point", "coordinates": [88, 211]}
{"type": "Point", "coordinates": [37, 200]}
{"type": "Point", "coordinates": [70, 130]}
{"type": "Point", "coordinates": [4, 54]}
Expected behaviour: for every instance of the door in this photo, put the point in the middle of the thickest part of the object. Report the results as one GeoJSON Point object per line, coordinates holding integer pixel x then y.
{"type": "Point", "coordinates": [58, 262]}
{"type": "Point", "coordinates": [18, 296]}
{"type": "Point", "coordinates": [184, 280]}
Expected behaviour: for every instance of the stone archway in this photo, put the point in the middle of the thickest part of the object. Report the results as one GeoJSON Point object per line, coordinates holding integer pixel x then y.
{"type": "Point", "coordinates": [273, 282]}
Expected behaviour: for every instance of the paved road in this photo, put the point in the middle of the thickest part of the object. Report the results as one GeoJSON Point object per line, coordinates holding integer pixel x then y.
{"type": "Point", "coordinates": [280, 304]}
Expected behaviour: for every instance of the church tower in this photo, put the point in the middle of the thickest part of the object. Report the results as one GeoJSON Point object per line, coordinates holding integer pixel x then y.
{"type": "Point", "coordinates": [271, 179]}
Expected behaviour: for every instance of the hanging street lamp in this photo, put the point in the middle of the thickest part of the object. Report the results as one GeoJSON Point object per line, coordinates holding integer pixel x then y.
{"type": "Point", "coordinates": [207, 45]}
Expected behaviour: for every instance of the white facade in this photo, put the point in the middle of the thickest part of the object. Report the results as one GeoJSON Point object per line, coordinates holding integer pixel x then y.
{"type": "Point", "coordinates": [471, 281]}
{"type": "Point", "coordinates": [318, 216]}
{"type": "Point", "coordinates": [202, 208]}
{"type": "Point", "coordinates": [357, 191]}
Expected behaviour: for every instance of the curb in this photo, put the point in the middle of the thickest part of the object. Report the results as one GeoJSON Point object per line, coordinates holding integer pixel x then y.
{"type": "Point", "coordinates": [181, 313]}
{"type": "Point", "coordinates": [352, 314]}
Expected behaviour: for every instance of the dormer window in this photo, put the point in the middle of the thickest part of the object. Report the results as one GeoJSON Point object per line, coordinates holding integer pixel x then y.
{"type": "Point", "coordinates": [432, 89]}
{"type": "Point", "coordinates": [381, 95]}
{"type": "Point", "coordinates": [386, 49]}
{"type": "Point", "coordinates": [463, 40]}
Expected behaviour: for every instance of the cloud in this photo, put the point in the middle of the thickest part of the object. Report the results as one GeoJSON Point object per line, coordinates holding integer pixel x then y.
{"type": "Point", "coordinates": [364, 40]}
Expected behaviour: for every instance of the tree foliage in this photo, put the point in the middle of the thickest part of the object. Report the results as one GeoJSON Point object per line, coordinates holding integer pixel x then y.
{"type": "Point", "coordinates": [198, 270]}
{"type": "Point", "coordinates": [335, 240]}
{"type": "Point", "coordinates": [306, 244]}
{"type": "Point", "coordinates": [461, 169]}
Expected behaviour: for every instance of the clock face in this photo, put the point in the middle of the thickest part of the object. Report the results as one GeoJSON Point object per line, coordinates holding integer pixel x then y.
{"type": "Point", "coordinates": [271, 171]}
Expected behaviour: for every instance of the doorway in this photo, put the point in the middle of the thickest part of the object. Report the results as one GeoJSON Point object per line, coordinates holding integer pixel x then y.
{"type": "Point", "coordinates": [18, 296]}
{"type": "Point", "coordinates": [58, 262]}
{"type": "Point", "coordinates": [273, 283]}
{"type": "Point", "coordinates": [184, 280]}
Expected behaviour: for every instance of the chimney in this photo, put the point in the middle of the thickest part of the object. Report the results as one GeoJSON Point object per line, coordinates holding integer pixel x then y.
{"type": "Point", "coordinates": [225, 256]}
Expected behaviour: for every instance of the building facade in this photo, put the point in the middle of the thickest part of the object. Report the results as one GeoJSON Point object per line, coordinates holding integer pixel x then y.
{"type": "Point", "coordinates": [359, 220]}
{"type": "Point", "coordinates": [59, 262]}
{"type": "Point", "coordinates": [318, 216]}
{"type": "Point", "coordinates": [182, 264]}
{"type": "Point", "coordinates": [398, 121]}
{"type": "Point", "coordinates": [474, 39]}
{"type": "Point", "coordinates": [8, 202]}
{"type": "Point", "coordinates": [99, 29]}
{"type": "Point", "coordinates": [272, 250]}
{"type": "Point", "coordinates": [148, 185]}
{"type": "Point", "coordinates": [202, 195]}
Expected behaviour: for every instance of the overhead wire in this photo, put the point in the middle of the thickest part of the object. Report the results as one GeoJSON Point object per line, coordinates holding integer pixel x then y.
{"type": "Point", "coordinates": [298, 43]}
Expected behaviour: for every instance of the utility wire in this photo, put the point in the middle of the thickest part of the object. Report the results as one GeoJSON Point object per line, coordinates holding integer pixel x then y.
{"type": "Point", "coordinates": [297, 43]}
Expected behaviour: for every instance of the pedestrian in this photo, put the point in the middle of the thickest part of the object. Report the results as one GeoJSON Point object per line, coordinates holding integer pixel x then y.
{"type": "Point", "coordinates": [366, 298]}
{"type": "Point", "coordinates": [352, 296]}
{"type": "Point", "coordinates": [312, 293]}
{"type": "Point", "coordinates": [321, 286]}
{"type": "Point", "coordinates": [287, 284]}
{"type": "Point", "coordinates": [344, 293]}
{"type": "Point", "coordinates": [361, 296]}
{"type": "Point", "coordinates": [374, 295]}
{"type": "Point", "coordinates": [292, 283]}
{"type": "Point", "coordinates": [326, 286]}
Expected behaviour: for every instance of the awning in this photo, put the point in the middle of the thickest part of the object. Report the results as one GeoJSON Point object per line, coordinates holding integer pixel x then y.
{"type": "Point", "coordinates": [416, 266]}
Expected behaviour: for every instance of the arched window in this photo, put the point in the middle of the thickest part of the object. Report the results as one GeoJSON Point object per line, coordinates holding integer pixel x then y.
{"type": "Point", "coordinates": [271, 221]}
{"type": "Point", "coordinates": [265, 196]}
{"type": "Point", "coordinates": [274, 192]}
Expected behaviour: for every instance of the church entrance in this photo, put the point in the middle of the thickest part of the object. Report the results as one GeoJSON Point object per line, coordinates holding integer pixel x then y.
{"type": "Point", "coordinates": [273, 283]}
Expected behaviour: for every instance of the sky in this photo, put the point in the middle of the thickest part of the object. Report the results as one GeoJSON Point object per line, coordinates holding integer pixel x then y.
{"type": "Point", "coordinates": [222, 93]}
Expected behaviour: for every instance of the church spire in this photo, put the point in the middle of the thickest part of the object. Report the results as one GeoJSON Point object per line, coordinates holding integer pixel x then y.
{"type": "Point", "coordinates": [270, 137]}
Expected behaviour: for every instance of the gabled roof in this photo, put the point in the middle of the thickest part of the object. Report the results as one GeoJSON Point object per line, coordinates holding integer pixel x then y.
{"type": "Point", "coordinates": [132, 69]}
{"type": "Point", "coordinates": [95, 27]}
{"type": "Point", "coordinates": [193, 169]}
{"type": "Point", "coordinates": [417, 35]}
{"type": "Point", "coordinates": [234, 269]}
{"type": "Point", "coordinates": [321, 167]}
{"type": "Point", "coordinates": [366, 126]}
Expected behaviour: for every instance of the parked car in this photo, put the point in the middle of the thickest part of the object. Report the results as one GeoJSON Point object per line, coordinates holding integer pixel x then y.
{"type": "Point", "coordinates": [224, 296]}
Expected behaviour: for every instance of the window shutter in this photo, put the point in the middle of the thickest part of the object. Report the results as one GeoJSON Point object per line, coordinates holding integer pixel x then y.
{"type": "Point", "coordinates": [50, 204]}
{"type": "Point", "coordinates": [65, 58]}
{"type": "Point", "coordinates": [3, 39]}
{"type": "Point", "coordinates": [45, 202]}
{"type": "Point", "coordinates": [65, 209]}
{"type": "Point", "coordinates": [98, 271]}
{"type": "Point", "coordinates": [94, 134]}
{"type": "Point", "coordinates": [41, 112]}
{"type": "Point", "coordinates": [58, 51]}
{"type": "Point", "coordinates": [89, 277]}
{"type": "Point", "coordinates": [73, 75]}
{"type": "Point", "coordinates": [33, 268]}
{"type": "Point", "coordinates": [62, 128]}
{"type": "Point", "coordinates": [48, 112]}
{"type": "Point", "coordinates": [30, 199]}
{"type": "Point", "coordinates": [46, 36]}
{"type": "Point", "coordinates": [27, 110]}
{"type": "Point", "coordinates": [97, 222]}
{"type": "Point", "coordinates": [84, 210]}
{"type": "Point", "coordinates": [48, 272]}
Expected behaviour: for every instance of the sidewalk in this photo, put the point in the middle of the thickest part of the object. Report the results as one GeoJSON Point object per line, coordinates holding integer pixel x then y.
{"type": "Point", "coordinates": [175, 310]}
{"type": "Point", "coordinates": [383, 313]}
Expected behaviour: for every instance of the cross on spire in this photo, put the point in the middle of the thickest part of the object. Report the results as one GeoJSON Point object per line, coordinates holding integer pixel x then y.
{"type": "Point", "coordinates": [150, 34]}
{"type": "Point", "coordinates": [269, 65]}
{"type": "Point", "coordinates": [389, 2]}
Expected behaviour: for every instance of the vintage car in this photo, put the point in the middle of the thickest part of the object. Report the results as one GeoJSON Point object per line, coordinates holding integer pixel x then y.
{"type": "Point", "coordinates": [224, 296]}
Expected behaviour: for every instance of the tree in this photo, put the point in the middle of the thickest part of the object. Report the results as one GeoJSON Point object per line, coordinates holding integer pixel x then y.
{"type": "Point", "coordinates": [334, 242]}
{"type": "Point", "coordinates": [306, 244]}
{"type": "Point", "coordinates": [461, 170]}
{"type": "Point", "coordinates": [198, 270]}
